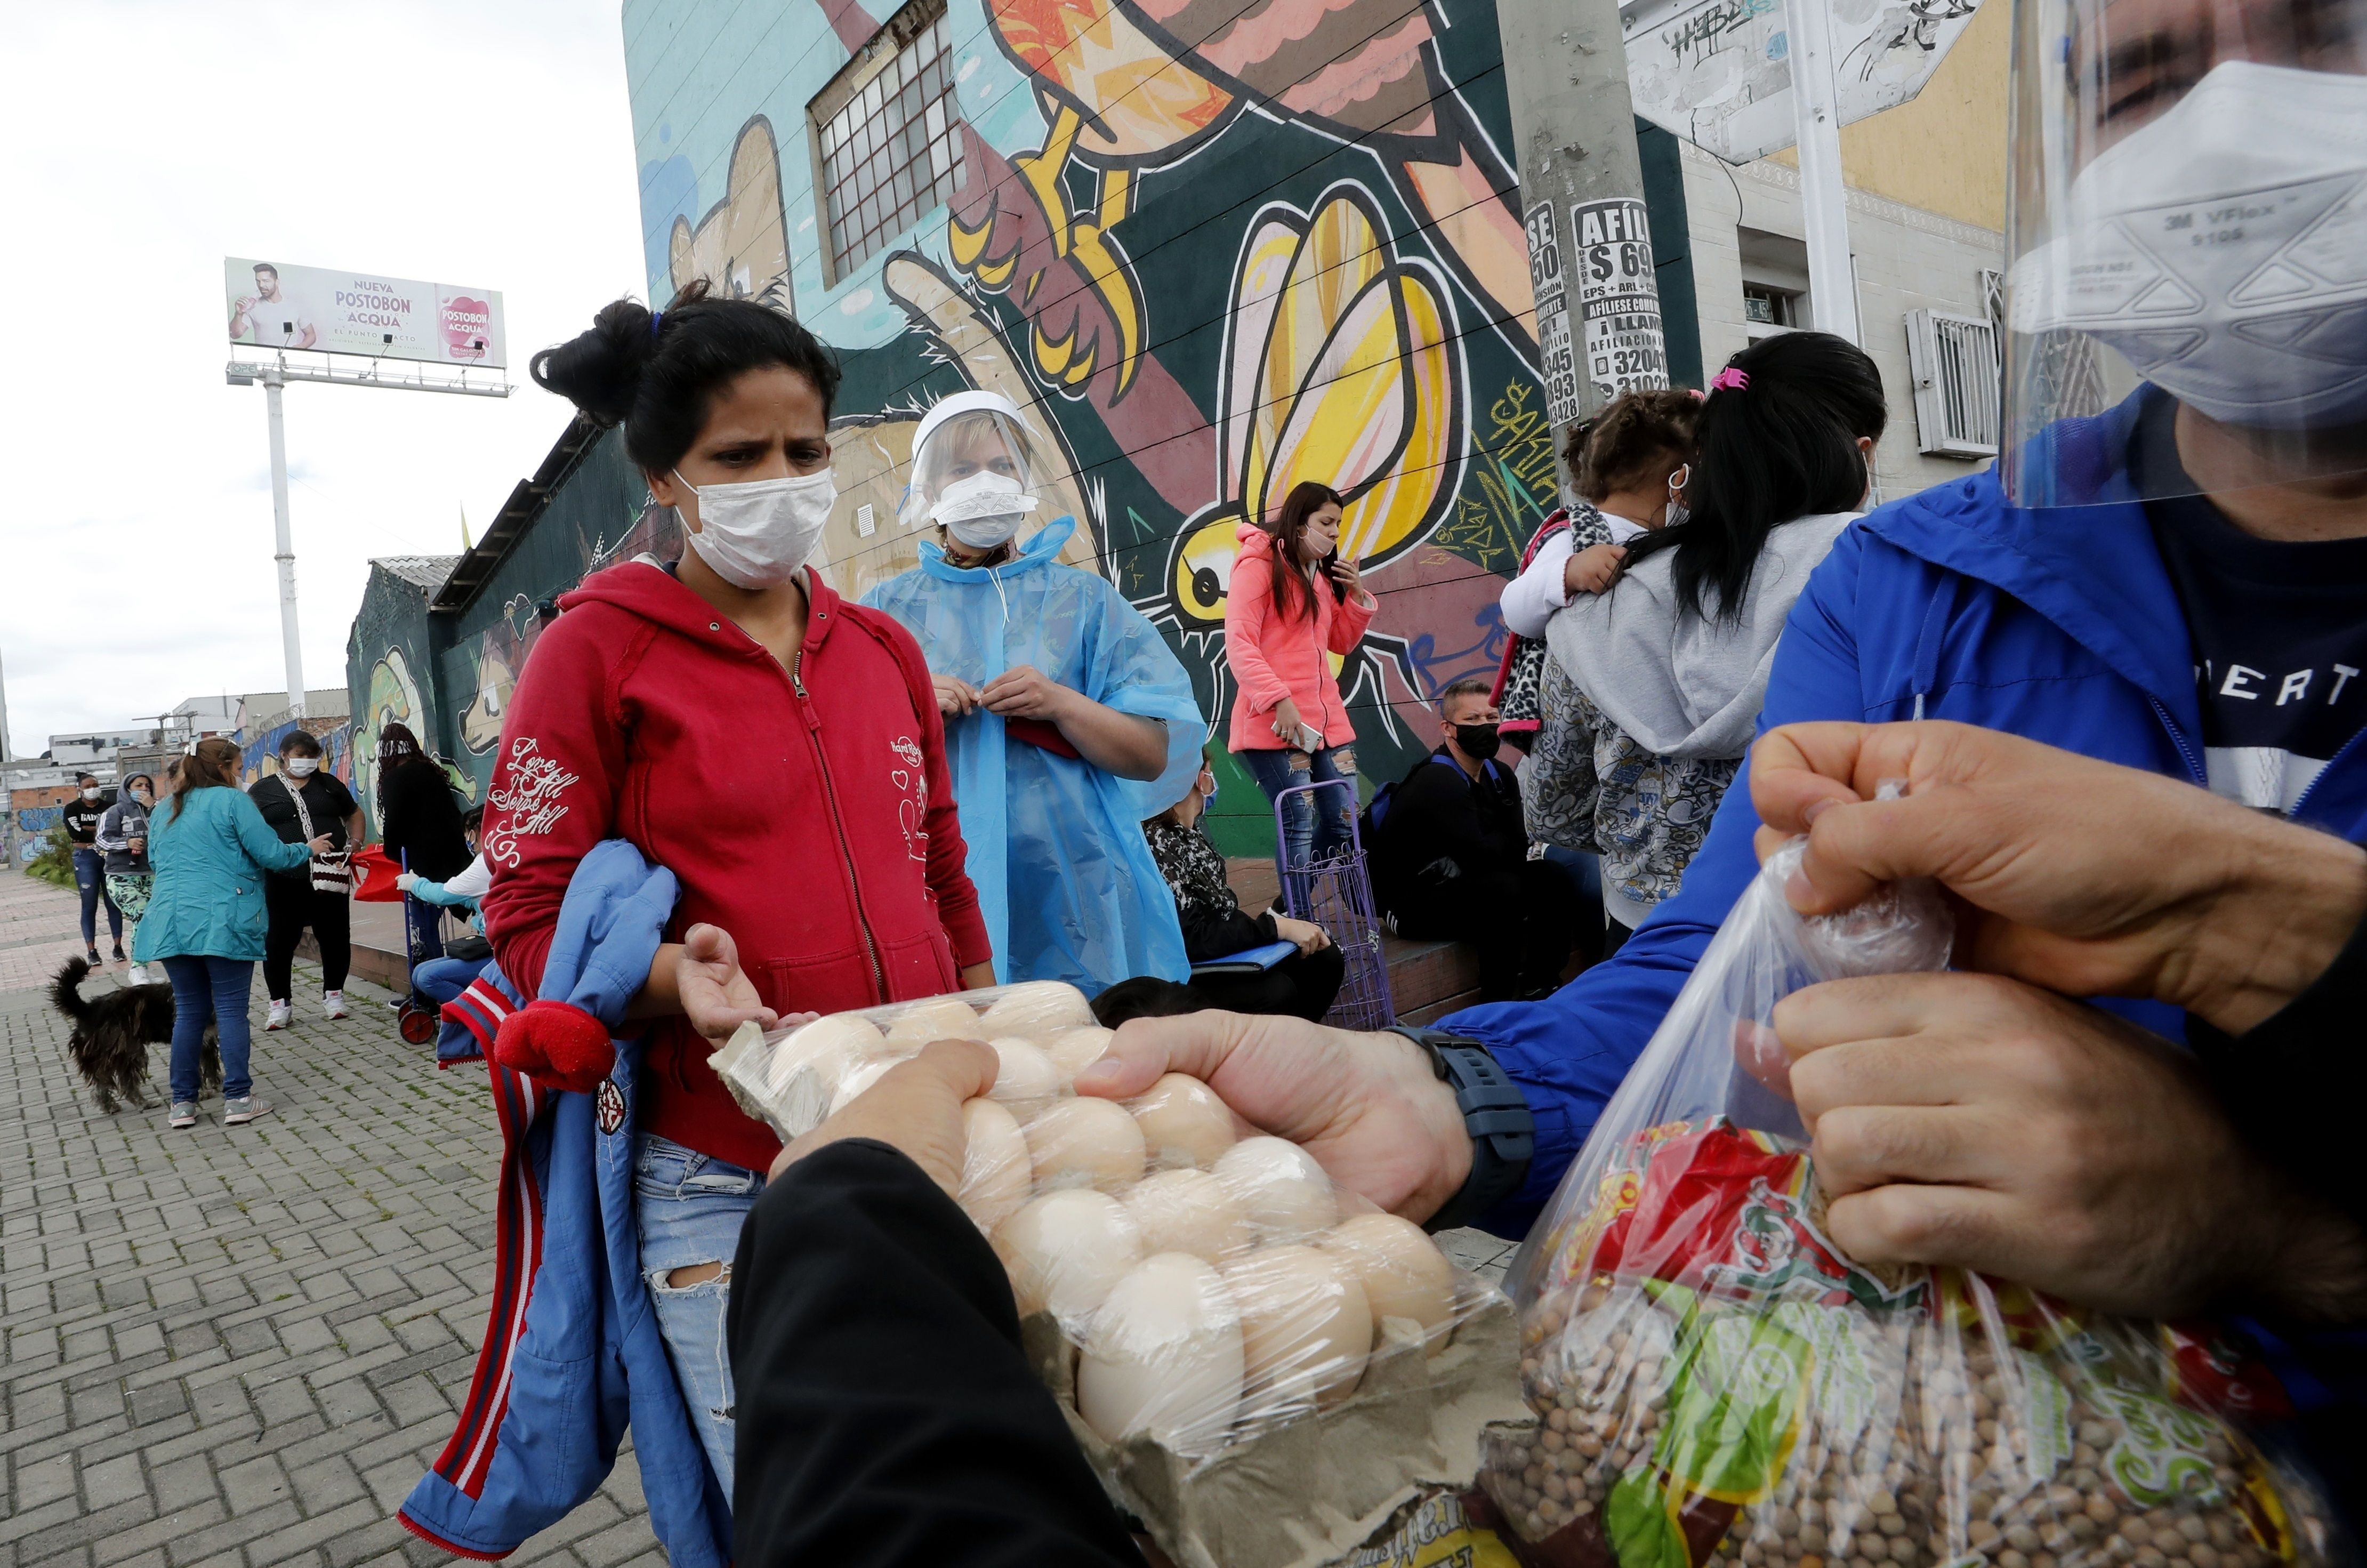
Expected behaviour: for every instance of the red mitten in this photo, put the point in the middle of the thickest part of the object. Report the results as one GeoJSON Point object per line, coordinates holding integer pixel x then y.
{"type": "Point", "coordinates": [556, 1043]}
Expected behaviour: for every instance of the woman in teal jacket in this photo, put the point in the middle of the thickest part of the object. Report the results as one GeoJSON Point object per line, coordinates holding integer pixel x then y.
{"type": "Point", "coordinates": [205, 922]}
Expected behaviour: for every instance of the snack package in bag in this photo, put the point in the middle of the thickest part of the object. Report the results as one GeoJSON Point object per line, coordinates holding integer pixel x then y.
{"type": "Point", "coordinates": [1265, 1368]}
{"type": "Point", "coordinates": [1719, 1385]}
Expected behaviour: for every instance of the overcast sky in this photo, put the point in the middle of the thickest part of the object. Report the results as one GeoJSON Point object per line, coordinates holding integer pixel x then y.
{"type": "Point", "coordinates": [475, 142]}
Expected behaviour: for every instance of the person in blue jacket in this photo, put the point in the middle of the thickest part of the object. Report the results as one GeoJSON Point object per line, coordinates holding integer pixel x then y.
{"type": "Point", "coordinates": [210, 849]}
{"type": "Point", "coordinates": [2175, 580]}
{"type": "Point", "coordinates": [1068, 718]}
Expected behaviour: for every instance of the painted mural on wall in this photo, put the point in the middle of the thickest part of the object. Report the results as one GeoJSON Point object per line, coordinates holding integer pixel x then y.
{"type": "Point", "coordinates": [449, 675]}
{"type": "Point", "coordinates": [259, 753]}
{"type": "Point", "coordinates": [1208, 251]}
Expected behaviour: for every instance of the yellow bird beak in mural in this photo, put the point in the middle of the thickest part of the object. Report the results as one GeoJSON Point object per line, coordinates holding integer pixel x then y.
{"type": "Point", "coordinates": [1342, 367]}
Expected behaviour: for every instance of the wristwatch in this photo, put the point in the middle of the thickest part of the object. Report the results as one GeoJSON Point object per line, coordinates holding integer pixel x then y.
{"type": "Point", "coordinates": [1503, 1136]}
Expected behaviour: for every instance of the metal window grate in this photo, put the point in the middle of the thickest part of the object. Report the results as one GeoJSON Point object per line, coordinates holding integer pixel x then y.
{"type": "Point", "coordinates": [1955, 362]}
{"type": "Point", "coordinates": [891, 150]}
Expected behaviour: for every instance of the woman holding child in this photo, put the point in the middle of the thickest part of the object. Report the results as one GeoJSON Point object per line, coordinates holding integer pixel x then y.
{"type": "Point", "coordinates": [1658, 670]}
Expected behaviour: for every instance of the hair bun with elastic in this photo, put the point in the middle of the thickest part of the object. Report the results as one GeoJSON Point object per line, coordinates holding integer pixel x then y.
{"type": "Point", "coordinates": [600, 371]}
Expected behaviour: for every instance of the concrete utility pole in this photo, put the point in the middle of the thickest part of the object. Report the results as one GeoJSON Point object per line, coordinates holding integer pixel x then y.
{"type": "Point", "coordinates": [292, 644]}
{"type": "Point", "coordinates": [1824, 202]}
{"type": "Point", "coordinates": [274, 378]}
{"type": "Point", "coordinates": [1599, 329]}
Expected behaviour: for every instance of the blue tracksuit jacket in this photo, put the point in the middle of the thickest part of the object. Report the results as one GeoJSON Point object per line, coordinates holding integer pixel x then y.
{"type": "Point", "coordinates": [572, 1353]}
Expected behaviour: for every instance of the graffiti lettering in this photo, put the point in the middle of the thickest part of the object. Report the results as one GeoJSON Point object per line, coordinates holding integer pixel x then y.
{"type": "Point", "coordinates": [1702, 34]}
{"type": "Point", "coordinates": [1918, 30]}
{"type": "Point", "coordinates": [1522, 439]}
{"type": "Point", "coordinates": [1513, 479]}
{"type": "Point", "coordinates": [1430, 670]}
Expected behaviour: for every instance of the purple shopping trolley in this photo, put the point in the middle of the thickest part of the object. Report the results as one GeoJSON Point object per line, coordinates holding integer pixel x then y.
{"type": "Point", "coordinates": [1335, 892]}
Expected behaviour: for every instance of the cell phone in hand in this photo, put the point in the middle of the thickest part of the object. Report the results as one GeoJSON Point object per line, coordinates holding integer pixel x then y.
{"type": "Point", "coordinates": [1309, 738]}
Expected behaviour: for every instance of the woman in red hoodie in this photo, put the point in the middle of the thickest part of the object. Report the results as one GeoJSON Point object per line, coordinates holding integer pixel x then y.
{"type": "Point", "coordinates": [1294, 601]}
{"type": "Point", "coordinates": [778, 748]}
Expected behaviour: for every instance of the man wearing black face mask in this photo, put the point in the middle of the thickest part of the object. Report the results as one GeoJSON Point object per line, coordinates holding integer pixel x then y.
{"type": "Point", "coordinates": [1451, 858]}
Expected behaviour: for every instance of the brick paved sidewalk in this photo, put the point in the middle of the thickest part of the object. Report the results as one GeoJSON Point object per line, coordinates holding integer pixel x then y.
{"type": "Point", "coordinates": [239, 1346]}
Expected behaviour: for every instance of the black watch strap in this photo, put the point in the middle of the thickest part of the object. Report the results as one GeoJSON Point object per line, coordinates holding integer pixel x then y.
{"type": "Point", "coordinates": [1503, 1136]}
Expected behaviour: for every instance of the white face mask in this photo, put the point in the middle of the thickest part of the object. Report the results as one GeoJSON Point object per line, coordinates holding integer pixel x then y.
{"type": "Point", "coordinates": [756, 535]}
{"type": "Point", "coordinates": [983, 510]}
{"type": "Point", "coordinates": [2218, 248]}
{"type": "Point", "coordinates": [90, 795]}
{"type": "Point", "coordinates": [304, 766]}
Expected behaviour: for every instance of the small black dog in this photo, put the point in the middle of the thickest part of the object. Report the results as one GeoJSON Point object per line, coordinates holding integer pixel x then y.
{"type": "Point", "coordinates": [112, 1034]}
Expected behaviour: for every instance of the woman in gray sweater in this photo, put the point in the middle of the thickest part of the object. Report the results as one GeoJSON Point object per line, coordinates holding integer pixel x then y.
{"type": "Point", "coordinates": [1652, 689]}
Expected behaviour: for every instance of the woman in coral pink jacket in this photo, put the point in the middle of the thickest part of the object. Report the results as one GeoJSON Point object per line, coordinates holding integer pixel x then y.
{"type": "Point", "coordinates": [1294, 601]}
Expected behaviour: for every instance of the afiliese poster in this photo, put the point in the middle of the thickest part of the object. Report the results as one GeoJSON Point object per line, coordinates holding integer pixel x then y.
{"type": "Point", "coordinates": [275, 305]}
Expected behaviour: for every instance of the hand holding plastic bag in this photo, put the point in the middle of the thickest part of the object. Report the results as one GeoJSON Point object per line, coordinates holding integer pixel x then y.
{"type": "Point", "coordinates": [1720, 1384]}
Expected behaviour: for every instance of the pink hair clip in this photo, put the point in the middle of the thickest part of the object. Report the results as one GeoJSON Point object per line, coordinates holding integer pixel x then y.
{"type": "Point", "coordinates": [1730, 379]}
{"type": "Point", "coordinates": [1699, 395]}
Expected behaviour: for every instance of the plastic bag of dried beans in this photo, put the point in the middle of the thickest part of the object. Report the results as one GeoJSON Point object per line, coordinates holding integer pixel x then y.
{"type": "Point", "coordinates": [1720, 1387]}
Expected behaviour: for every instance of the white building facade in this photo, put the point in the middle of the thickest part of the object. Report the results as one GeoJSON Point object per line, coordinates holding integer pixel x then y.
{"type": "Point", "coordinates": [1916, 270]}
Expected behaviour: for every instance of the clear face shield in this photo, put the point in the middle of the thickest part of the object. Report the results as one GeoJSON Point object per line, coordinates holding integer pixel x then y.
{"type": "Point", "coordinates": [975, 472]}
{"type": "Point", "coordinates": [2188, 210]}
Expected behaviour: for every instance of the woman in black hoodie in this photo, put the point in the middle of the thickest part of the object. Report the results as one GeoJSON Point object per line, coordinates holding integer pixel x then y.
{"type": "Point", "coordinates": [419, 824]}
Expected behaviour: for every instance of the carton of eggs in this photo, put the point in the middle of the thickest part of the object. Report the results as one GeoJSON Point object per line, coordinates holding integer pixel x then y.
{"type": "Point", "coordinates": [1201, 1297]}
{"type": "Point", "coordinates": [1042, 1033]}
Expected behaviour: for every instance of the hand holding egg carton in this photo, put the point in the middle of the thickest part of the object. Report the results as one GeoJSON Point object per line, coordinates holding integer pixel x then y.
{"type": "Point", "coordinates": [1259, 1365]}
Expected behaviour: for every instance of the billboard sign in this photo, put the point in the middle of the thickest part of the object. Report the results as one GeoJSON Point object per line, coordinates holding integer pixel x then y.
{"type": "Point", "coordinates": [1718, 72]}
{"type": "Point", "coordinates": [272, 305]}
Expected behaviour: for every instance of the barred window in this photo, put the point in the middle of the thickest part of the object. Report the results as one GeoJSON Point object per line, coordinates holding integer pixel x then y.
{"type": "Point", "coordinates": [885, 136]}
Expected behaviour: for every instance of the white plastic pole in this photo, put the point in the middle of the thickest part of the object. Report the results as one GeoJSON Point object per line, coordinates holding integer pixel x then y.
{"type": "Point", "coordinates": [1824, 203]}
{"type": "Point", "coordinates": [293, 644]}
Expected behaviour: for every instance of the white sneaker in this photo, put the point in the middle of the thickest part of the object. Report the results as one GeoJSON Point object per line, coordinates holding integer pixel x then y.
{"type": "Point", "coordinates": [333, 1004]}
{"type": "Point", "coordinates": [136, 975]}
{"type": "Point", "coordinates": [278, 1018]}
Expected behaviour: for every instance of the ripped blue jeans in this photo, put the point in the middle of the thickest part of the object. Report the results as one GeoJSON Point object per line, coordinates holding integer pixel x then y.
{"type": "Point", "coordinates": [1306, 833]}
{"type": "Point", "coordinates": [690, 1206]}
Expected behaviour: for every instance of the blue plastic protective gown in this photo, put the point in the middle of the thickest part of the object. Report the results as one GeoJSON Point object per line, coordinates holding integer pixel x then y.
{"type": "Point", "coordinates": [1064, 876]}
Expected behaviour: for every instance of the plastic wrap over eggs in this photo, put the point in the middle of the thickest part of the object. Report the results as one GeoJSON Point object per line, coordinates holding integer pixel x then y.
{"type": "Point", "coordinates": [944, 1017]}
{"type": "Point", "coordinates": [1085, 1142]}
{"type": "Point", "coordinates": [996, 1171]}
{"type": "Point", "coordinates": [1188, 1211]}
{"type": "Point", "coordinates": [1306, 1329]}
{"type": "Point", "coordinates": [1184, 1124]}
{"type": "Point", "coordinates": [1073, 1051]}
{"type": "Point", "coordinates": [1163, 1358]}
{"type": "Point", "coordinates": [1037, 1007]}
{"type": "Point", "coordinates": [1025, 1078]}
{"type": "Point", "coordinates": [861, 1076]}
{"type": "Point", "coordinates": [1065, 1251]}
{"type": "Point", "coordinates": [1280, 1190]}
{"type": "Point", "coordinates": [1402, 1270]}
{"type": "Point", "coordinates": [1042, 1033]}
